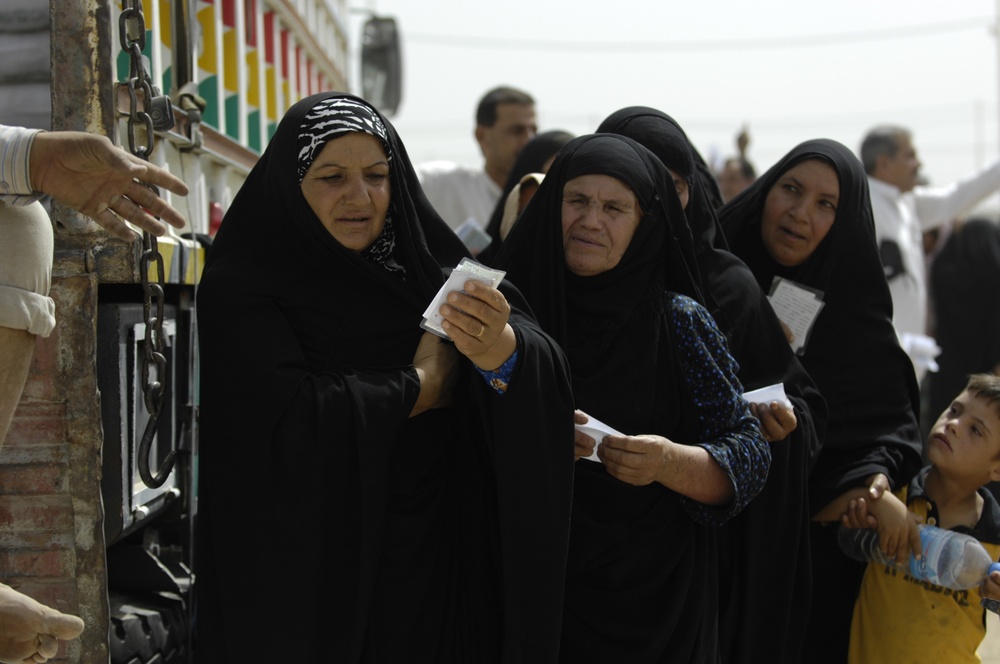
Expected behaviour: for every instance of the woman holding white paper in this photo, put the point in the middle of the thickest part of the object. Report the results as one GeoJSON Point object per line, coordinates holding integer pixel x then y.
{"type": "Point", "coordinates": [330, 418]}
{"type": "Point", "coordinates": [760, 621]}
{"type": "Point", "coordinates": [808, 220]}
{"type": "Point", "coordinates": [601, 257]}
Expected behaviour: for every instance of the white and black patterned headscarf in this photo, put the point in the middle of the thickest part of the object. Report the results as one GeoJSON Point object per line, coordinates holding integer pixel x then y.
{"type": "Point", "coordinates": [332, 118]}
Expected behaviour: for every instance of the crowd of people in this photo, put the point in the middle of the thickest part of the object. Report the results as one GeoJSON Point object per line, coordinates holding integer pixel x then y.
{"type": "Point", "coordinates": [474, 521]}
{"type": "Point", "coordinates": [573, 466]}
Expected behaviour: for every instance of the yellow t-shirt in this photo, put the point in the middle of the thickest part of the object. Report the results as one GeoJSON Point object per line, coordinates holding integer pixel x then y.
{"type": "Point", "coordinates": [900, 619]}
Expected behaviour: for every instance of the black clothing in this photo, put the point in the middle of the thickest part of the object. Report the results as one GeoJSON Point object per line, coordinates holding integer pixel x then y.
{"type": "Point", "coordinates": [641, 582]}
{"type": "Point", "coordinates": [759, 620]}
{"type": "Point", "coordinates": [332, 526]}
{"type": "Point", "coordinates": [855, 360]}
{"type": "Point", "coordinates": [965, 291]}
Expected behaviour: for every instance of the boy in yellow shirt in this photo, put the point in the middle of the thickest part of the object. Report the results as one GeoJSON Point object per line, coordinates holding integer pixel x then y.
{"type": "Point", "coordinates": [896, 617]}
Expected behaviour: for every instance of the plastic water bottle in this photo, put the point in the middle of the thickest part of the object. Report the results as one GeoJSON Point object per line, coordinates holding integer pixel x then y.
{"type": "Point", "coordinates": [949, 559]}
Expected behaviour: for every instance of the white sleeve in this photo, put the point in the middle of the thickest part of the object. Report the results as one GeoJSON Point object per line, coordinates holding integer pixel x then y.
{"type": "Point", "coordinates": [15, 182]}
{"type": "Point", "coordinates": [939, 205]}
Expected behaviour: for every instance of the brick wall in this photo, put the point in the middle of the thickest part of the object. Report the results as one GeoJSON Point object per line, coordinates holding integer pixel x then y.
{"type": "Point", "coordinates": [51, 531]}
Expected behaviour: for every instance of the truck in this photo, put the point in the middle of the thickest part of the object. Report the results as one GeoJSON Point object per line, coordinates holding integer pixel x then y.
{"type": "Point", "coordinates": [99, 472]}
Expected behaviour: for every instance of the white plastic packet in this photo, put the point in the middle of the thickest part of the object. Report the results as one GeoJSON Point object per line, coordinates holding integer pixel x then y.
{"type": "Point", "coordinates": [467, 269]}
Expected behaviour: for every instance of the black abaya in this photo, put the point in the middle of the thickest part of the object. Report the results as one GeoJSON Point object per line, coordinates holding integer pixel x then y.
{"type": "Point", "coordinates": [332, 526]}
{"type": "Point", "coordinates": [759, 619]}
{"type": "Point", "coordinates": [856, 362]}
{"type": "Point", "coordinates": [641, 581]}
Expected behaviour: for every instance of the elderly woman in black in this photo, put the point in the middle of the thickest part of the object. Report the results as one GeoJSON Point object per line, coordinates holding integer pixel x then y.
{"type": "Point", "coordinates": [601, 257]}
{"type": "Point", "coordinates": [760, 620]}
{"type": "Point", "coordinates": [808, 221]}
{"type": "Point", "coordinates": [369, 492]}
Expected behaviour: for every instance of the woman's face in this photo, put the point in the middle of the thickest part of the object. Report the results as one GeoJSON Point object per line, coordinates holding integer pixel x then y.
{"type": "Point", "coordinates": [681, 187]}
{"type": "Point", "coordinates": [599, 216]}
{"type": "Point", "coordinates": [799, 211]}
{"type": "Point", "coordinates": [347, 186]}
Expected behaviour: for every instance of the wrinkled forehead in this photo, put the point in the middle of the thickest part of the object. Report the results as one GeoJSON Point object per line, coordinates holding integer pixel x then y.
{"type": "Point", "coordinates": [600, 186]}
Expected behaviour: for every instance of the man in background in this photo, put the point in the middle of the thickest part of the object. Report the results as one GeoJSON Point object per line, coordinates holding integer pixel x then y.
{"type": "Point", "coordinates": [903, 211]}
{"type": "Point", "coordinates": [505, 121]}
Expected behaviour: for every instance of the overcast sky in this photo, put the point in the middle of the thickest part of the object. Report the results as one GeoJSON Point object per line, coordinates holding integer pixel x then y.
{"type": "Point", "coordinates": [789, 70]}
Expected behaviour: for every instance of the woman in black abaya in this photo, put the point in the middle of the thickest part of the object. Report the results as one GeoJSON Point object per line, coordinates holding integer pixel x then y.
{"type": "Point", "coordinates": [759, 619]}
{"type": "Point", "coordinates": [808, 220]}
{"type": "Point", "coordinates": [616, 287]}
{"type": "Point", "coordinates": [368, 491]}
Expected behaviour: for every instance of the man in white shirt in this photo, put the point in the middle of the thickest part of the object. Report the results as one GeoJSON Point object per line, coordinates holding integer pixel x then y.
{"type": "Point", "coordinates": [505, 121]}
{"type": "Point", "coordinates": [903, 211]}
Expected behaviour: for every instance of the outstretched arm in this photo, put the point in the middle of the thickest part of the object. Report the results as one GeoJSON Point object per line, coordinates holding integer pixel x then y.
{"type": "Point", "coordinates": [90, 174]}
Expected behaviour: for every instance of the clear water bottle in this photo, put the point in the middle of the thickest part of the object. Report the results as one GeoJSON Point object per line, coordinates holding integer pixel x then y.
{"type": "Point", "coordinates": [950, 559]}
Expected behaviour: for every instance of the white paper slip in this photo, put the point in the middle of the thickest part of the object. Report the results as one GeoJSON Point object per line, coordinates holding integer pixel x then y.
{"type": "Point", "coordinates": [473, 236]}
{"type": "Point", "coordinates": [597, 430]}
{"type": "Point", "coordinates": [467, 270]}
{"type": "Point", "coordinates": [797, 306]}
{"type": "Point", "coordinates": [768, 394]}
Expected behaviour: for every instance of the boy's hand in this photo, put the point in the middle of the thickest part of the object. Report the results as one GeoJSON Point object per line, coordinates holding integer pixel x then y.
{"type": "Point", "coordinates": [898, 533]}
{"type": "Point", "coordinates": [990, 589]}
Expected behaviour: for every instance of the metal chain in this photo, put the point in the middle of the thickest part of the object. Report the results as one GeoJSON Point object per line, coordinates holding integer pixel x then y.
{"type": "Point", "coordinates": [132, 34]}
{"type": "Point", "coordinates": [132, 31]}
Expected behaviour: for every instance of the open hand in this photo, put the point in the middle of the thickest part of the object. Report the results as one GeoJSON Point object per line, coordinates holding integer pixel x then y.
{"type": "Point", "coordinates": [90, 174]}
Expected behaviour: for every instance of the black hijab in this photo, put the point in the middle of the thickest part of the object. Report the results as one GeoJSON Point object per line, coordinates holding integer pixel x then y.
{"type": "Point", "coordinates": [273, 194]}
{"type": "Point", "coordinates": [965, 291]}
{"type": "Point", "coordinates": [758, 621]}
{"type": "Point", "coordinates": [853, 354]}
{"type": "Point", "coordinates": [531, 159]}
{"type": "Point", "coordinates": [743, 315]}
{"type": "Point", "coordinates": [641, 573]}
{"type": "Point", "coordinates": [605, 321]}
{"type": "Point", "coordinates": [855, 359]}
{"type": "Point", "coordinates": [307, 384]}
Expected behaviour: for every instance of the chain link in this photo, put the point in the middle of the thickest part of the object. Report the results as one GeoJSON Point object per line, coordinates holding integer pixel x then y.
{"type": "Point", "coordinates": [132, 34]}
{"type": "Point", "coordinates": [132, 31]}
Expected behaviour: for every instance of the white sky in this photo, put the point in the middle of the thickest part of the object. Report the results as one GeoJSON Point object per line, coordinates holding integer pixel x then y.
{"type": "Point", "coordinates": [788, 69]}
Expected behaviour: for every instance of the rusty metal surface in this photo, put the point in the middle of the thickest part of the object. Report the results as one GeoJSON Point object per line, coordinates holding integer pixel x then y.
{"type": "Point", "coordinates": [82, 99]}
